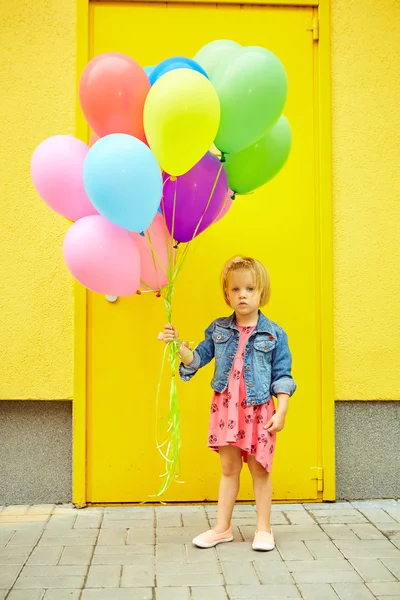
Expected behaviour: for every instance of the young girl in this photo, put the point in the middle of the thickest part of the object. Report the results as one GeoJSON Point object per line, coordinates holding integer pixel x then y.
{"type": "Point", "coordinates": [252, 363]}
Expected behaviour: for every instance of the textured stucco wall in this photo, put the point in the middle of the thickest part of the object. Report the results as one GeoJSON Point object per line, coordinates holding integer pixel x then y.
{"type": "Point", "coordinates": [366, 197]}
{"type": "Point", "coordinates": [367, 450]}
{"type": "Point", "coordinates": [37, 100]}
{"type": "Point", "coordinates": [35, 452]}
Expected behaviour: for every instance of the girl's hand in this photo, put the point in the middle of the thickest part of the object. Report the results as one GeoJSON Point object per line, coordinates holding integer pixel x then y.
{"type": "Point", "coordinates": [169, 334]}
{"type": "Point", "coordinates": [185, 353]}
{"type": "Point", "coordinates": [276, 423]}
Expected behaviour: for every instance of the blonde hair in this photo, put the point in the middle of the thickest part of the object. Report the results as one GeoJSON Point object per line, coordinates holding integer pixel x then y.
{"type": "Point", "coordinates": [256, 268]}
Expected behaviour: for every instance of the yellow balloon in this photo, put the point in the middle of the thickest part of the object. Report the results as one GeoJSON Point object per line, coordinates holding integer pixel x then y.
{"type": "Point", "coordinates": [214, 150]}
{"type": "Point", "coordinates": [181, 119]}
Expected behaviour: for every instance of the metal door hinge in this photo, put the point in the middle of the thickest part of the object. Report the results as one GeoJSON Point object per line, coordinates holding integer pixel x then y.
{"type": "Point", "coordinates": [313, 26]}
{"type": "Point", "coordinates": [318, 474]}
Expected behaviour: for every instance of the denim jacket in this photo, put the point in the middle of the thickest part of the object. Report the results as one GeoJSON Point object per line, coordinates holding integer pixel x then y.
{"type": "Point", "coordinates": [267, 362]}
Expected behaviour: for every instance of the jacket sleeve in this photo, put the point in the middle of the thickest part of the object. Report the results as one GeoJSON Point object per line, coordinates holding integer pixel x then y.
{"type": "Point", "coordinates": [202, 355]}
{"type": "Point", "coordinates": [282, 381]}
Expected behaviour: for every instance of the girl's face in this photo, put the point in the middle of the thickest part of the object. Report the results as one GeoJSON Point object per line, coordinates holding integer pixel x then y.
{"type": "Point", "coordinates": [243, 296]}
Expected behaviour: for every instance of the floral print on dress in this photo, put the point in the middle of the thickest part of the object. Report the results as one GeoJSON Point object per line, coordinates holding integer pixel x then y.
{"type": "Point", "coordinates": [232, 421]}
{"type": "Point", "coordinates": [263, 439]}
{"type": "Point", "coordinates": [214, 407]}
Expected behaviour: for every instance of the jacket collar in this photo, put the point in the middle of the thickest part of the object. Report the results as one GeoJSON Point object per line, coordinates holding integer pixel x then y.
{"type": "Point", "coordinates": [264, 325]}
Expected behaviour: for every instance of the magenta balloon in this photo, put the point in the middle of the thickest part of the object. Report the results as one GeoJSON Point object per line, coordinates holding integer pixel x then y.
{"type": "Point", "coordinates": [196, 204]}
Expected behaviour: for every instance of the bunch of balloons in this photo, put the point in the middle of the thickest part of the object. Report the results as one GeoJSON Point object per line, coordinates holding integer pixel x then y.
{"type": "Point", "coordinates": [148, 179]}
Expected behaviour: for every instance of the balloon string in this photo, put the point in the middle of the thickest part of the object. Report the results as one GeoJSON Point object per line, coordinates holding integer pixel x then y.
{"type": "Point", "coordinates": [171, 456]}
{"type": "Point", "coordinates": [167, 235]}
{"type": "Point", "coordinates": [173, 439]}
{"type": "Point", "coordinates": [174, 212]}
{"type": "Point", "coordinates": [187, 248]}
{"type": "Point", "coordinates": [209, 200]}
{"type": "Point", "coordinates": [157, 261]}
{"type": "Point", "coordinates": [169, 449]}
{"type": "Point", "coordinates": [179, 263]}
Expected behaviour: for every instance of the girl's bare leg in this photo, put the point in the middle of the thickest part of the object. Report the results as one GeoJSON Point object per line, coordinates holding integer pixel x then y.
{"type": "Point", "coordinates": [231, 465]}
{"type": "Point", "coordinates": [262, 485]}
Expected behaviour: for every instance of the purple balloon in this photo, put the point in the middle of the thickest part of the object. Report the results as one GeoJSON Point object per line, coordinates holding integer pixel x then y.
{"type": "Point", "coordinates": [194, 209]}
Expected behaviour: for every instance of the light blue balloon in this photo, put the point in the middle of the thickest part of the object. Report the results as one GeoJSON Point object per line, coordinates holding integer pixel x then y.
{"type": "Point", "coordinates": [176, 62]}
{"type": "Point", "coordinates": [123, 181]}
{"type": "Point", "coordinates": [148, 70]}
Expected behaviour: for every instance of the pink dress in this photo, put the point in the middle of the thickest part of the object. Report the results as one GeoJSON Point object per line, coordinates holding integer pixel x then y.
{"type": "Point", "coordinates": [233, 422]}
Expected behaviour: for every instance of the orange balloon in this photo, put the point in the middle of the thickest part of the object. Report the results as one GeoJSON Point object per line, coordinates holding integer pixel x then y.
{"type": "Point", "coordinates": [93, 139]}
{"type": "Point", "coordinates": [112, 92]}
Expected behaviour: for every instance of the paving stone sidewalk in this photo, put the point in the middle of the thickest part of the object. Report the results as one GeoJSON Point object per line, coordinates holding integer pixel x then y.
{"type": "Point", "coordinates": [346, 551]}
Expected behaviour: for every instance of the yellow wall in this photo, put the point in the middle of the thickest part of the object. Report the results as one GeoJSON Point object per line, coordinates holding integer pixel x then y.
{"type": "Point", "coordinates": [366, 197]}
{"type": "Point", "coordinates": [37, 99]}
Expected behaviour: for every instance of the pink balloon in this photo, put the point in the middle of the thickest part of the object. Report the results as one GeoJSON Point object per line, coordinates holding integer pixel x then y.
{"type": "Point", "coordinates": [154, 276]}
{"type": "Point", "coordinates": [57, 174]}
{"type": "Point", "coordinates": [102, 256]}
{"type": "Point", "coordinates": [227, 205]}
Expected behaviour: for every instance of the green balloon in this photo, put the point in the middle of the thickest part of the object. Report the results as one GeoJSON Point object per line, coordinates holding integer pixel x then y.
{"type": "Point", "coordinates": [251, 168]}
{"type": "Point", "coordinates": [213, 54]}
{"type": "Point", "coordinates": [252, 89]}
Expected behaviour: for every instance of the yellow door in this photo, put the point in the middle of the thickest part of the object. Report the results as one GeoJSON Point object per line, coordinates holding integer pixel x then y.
{"type": "Point", "coordinates": [278, 224]}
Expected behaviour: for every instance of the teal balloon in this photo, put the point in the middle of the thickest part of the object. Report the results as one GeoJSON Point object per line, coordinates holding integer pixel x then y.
{"type": "Point", "coordinates": [215, 53]}
{"type": "Point", "coordinates": [149, 70]}
{"type": "Point", "coordinates": [175, 62]}
{"type": "Point", "coordinates": [251, 168]}
{"type": "Point", "coordinates": [123, 181]}
{"type": "Point", "coordinates": [252, 87]}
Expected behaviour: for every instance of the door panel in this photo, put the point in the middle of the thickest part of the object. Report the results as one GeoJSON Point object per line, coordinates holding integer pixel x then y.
{"type": "Point", "coordinates": [277, 225]}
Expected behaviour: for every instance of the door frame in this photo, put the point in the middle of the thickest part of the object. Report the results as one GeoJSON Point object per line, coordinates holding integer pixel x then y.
{"type": "Point", "coordinates": [324, 257]}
